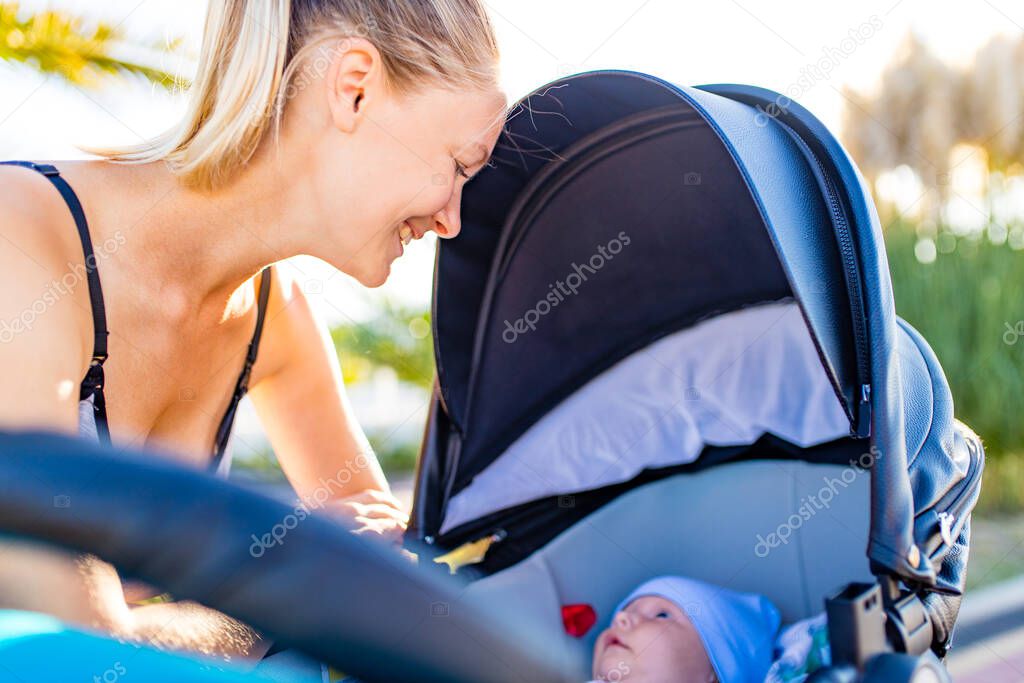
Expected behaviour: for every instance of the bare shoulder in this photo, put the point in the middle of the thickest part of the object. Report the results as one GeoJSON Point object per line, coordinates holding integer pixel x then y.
{"type": "Point", "coordinates": [42, 333]}
{"type": "Point", "coordinates": [35, 223]}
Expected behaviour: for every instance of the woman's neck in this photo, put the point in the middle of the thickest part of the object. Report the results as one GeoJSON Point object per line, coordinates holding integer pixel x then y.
{"type": "Point", "coordinates": [196, 247]}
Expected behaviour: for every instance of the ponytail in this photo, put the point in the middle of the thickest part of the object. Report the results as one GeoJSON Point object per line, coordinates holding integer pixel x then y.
{"type": "Point", "coordinates": [232, 100]}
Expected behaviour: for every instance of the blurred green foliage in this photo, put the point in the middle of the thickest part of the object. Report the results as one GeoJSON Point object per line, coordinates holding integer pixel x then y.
{"type": "Point", "coordinates": [398, 337]}
{"type": "Point", "coordinates": [969, 303]}
{"type": "Point", "coordinates": [79, 50]}
{"type": "Point", "coordinates": [395, 456]}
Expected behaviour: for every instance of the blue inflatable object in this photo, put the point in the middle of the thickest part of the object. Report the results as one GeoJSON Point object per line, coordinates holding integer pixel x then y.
{"type": "Point", "coordinates": [38, 648]}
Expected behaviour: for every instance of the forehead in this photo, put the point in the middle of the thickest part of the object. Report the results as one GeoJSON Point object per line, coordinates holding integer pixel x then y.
{"type": "Point", "coordinates": [467, 117]}
{"type": "Point", "coordinates": [653, 602]}
{"type": "Point", "coordinates": [482, 123]}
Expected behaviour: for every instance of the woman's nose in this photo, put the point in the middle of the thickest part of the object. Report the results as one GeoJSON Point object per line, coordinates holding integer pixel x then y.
{"type": "Point", "coordinates": [448, 221]}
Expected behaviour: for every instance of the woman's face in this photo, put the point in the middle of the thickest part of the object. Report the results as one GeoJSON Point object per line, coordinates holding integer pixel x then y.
{"type": "Point", "coordinates": [651, 641]}
{"type": "Point", "coordinates": [398, 172]}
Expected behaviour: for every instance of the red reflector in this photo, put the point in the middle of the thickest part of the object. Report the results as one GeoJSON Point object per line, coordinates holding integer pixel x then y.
{"type": "Point", "coordinates": [578, 619]}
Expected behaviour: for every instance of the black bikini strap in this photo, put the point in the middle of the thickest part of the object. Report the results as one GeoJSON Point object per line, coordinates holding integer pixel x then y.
{"type": "Point", "coordinates": [242, 385]}
{"type": "Point", "coordinates": [93, 382]}
{"type": "Point", "coordinates": [92, 273]}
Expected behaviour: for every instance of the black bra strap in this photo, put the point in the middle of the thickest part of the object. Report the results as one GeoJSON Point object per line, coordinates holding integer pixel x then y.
{"type": "Point", "coordinates": [242, 386]}
{"type": "Point", "coordinates": [92, 385]}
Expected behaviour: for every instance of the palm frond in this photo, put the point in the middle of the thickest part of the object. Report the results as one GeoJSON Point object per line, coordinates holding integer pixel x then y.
{"type": "Point", "coordinates": [75, 49]}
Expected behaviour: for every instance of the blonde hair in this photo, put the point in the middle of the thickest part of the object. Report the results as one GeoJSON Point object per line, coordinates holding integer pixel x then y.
{"type": "Point", "coordinates": [253, 49]}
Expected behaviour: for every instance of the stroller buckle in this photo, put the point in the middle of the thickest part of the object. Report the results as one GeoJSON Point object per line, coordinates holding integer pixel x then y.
{"type": "Point", "coordinates": [908, 625]}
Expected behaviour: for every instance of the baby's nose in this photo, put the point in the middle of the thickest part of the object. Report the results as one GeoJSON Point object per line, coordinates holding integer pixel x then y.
{"type": "Point", "coordinates": [623, 620]}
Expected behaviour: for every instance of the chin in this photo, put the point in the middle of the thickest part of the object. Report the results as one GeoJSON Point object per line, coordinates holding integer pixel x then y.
{"type": "Point", "coordinates": [375, 278]}
{"type": "Point", "coordinates": [611, 667]}
{"type": "Point", "coordinates": [369, 270]}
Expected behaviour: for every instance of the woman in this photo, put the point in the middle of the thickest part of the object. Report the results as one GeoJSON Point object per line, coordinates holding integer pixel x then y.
{"type": "Point", "coordinates": [341, 129]}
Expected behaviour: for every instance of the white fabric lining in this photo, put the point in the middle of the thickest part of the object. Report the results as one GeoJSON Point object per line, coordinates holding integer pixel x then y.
{"type": "Point", "coordinates": [87, 420]}
{"type": "Point", "coordinates": [726, 381]}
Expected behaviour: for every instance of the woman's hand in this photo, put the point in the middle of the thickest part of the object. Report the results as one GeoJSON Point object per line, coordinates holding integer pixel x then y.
{"type": "Point", "coordinates": [374, 513]}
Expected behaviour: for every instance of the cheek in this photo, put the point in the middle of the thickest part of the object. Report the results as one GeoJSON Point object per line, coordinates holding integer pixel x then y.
{"type": "Point", "coordinates": [430, 199]}
{"type": "Point", "coordinates": [668, 652]}
{"type": "Point", "coordinates": [395, 199]}
{"type": "Point", "coordinates": [395, 172]}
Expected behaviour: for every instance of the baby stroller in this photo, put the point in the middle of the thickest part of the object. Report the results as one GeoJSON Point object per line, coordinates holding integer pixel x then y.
{"type": "Point", "coordinates": [666, 343]}
{"type": "Point", "coordinates": [697, 272]}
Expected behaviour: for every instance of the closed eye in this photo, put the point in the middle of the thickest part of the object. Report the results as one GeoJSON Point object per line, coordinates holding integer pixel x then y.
{"type": "Point", "coordinates": [460, 170]}
{"type": "Point", "coordinates": [663, 615]}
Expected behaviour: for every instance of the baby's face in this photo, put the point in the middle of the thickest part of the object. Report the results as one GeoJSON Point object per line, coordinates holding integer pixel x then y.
{"type": "Point", "coordinates": [651, 641]}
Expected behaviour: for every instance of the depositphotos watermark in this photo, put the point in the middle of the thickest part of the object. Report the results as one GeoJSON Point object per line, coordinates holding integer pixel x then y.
{"type": "Point", "coordinates": [616, 675]}
{"type": "Point", "coordinates": [304, 507]}
{"type": "Point", "coordinates": [563, 289]}
{"type": "Point", "coordinates": [811, 505]}
{"type": "Point", "coordinates": [1013, 333]}
{"type": "Point", "coordinates": [58, 289]}
{"type": "Point", "coordinates": [111, 675]}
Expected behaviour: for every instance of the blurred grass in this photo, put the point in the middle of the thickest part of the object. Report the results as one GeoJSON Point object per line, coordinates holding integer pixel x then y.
{"type": "Point", "coordinates": [396, 457]}
{"type": "Point", "coordinates": [997, 550]}
{"type": "Point", "coordinates": [964, 302]}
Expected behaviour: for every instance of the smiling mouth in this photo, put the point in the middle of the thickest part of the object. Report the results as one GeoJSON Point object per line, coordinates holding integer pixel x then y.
{"type": "Point", "coordinates": [405, 234]}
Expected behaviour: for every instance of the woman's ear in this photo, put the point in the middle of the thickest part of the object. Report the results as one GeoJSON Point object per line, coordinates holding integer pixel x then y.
{"type": "Point", "coordinates": [354, 79]}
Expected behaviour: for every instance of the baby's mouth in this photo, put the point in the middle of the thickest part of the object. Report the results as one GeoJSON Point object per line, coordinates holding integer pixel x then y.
{"type": "Point", "coordinates": [614, 641]}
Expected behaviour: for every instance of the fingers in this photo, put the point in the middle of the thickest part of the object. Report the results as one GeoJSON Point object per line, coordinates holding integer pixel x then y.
{"type": "Point", "coordinates": [377, 511]}
{"type": "Point", "coordinates": [369, 506]}
{"type": "Point", "coordinates": [373, 496]}
{"type": "Point", "coordinates": [390, 530]}
{"type": "Point", "coordinates": [373, 513]}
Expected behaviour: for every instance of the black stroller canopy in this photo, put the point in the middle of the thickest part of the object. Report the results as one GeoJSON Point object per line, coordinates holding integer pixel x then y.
{"type": "Point", "coordinates": [621, 209]}
{"type": "Point", "coordinates": [633, 162]}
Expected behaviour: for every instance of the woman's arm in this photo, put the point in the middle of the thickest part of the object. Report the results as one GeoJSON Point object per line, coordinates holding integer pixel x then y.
{"type": "Point", "coordinates": [300, 397]}
{"type": "Point", "coordinates": [183, 626]}
{"type": "Point", "coordinates": [42, 327]}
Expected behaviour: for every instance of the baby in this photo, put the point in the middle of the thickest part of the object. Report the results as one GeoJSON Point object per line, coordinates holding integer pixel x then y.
{"type": "Point", "coordinates": [677, 630]}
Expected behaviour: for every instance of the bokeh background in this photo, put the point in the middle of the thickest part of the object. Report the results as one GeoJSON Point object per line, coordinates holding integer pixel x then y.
{"type": "Point", "coordinates": [928, 96]}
